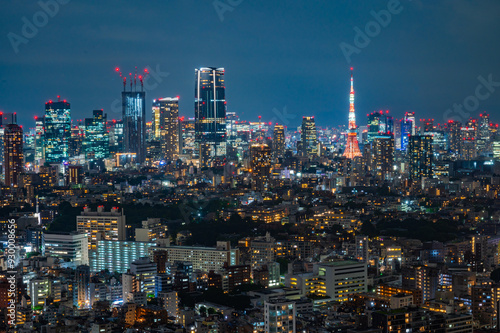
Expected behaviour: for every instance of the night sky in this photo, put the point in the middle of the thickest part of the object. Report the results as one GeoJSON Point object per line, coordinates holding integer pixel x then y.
{"type": "Point", "coordinates": [278, 55]}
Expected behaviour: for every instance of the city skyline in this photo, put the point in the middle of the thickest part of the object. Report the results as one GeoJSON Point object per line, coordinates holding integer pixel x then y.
{"type": "Point", "coordinates": [389, 73]}
{"type": "Point", "coordinates": [330, 166]}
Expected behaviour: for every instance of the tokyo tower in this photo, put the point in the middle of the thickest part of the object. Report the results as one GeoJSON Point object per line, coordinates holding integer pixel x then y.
{"type": "Point", "coordinates": [352, 148]}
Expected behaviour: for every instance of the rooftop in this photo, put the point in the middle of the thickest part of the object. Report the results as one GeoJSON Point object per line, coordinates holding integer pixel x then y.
{"type": "Point", "coordinates": [341, 263]}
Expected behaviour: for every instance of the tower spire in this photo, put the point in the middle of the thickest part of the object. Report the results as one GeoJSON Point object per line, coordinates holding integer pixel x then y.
{"type": "Point", "coordinates": [352, 114]}
{"type": "Point", "coordinates": [352, 82]}
{"type": "Point", "coordinates": [352, 147]}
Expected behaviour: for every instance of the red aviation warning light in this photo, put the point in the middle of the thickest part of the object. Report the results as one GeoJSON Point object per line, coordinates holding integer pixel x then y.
{"type": "Point", "coordinates": [124, 78]}
{"type": "Point", "coordinates": [143, 77]}
{"type": "Point", "coordinates": [132, 78]}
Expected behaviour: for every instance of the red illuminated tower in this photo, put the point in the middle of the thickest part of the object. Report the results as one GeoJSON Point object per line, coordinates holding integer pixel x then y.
{"type": "Point", "coordinates": [352, 148]}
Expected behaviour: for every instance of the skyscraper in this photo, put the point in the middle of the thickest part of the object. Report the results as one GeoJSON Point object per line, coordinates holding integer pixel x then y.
{"type": "Point", "coordinates": [261, 165]}
{"type": "Point", "coordinates": [406, 126]}
{"type": "Point", "coordinates": [75, 146]}
{"type": "Point", "coordinates": [352, 147]}
{"type": "Point", "coordinates": [454, 136]}
{"type": "Point", "coordinates": [421, 157]}
{"type": "Point", "coordinates": [13, 153]}
{"type": "Point", "coordinates": [57, 131]}
{"type": "Point", "coordinates": [210, 110]}
{"type": "Point", "coordinates": [7, 118]}
{"type": "Point", "coordinates": [426, 125]}
{"type": "Point", "coordinates": [279, 141]}
{"type": "Point", "coordinates": [149, 132]}
{"type": "Point", "coordinates": [188, 137]}
{"type": "Point", "coordinates": [410, 116]}
{"type": "Point", "coordinates": [134, 123]}
{"type": "Point", "coordinates": [379, 123]}
{"type": "Point", "coordinates": [39, 140]}
{"type": "Point", "coordinates": [155, 119]}
{"type": "Point", "coordinates": [231, 121]}
{"type": "Point", "coordinates": [484, 135]}
{"type": "Point", "coordinates": [96, 143]}
{"type": "Point", "coordinates": [468, 149]}
{"type": "Point", "coordinates": [309, 137]}
{"type": "Point", "coordinates": [166, 126]}
{"type": "Point", "coordinates": [115, 129]}
{"type": "Point", "coordinates": [154, 152]}
{"type": "Point", "coordinates": [383, 156]}
{"type": "Point", "coordinates": [397, 134]}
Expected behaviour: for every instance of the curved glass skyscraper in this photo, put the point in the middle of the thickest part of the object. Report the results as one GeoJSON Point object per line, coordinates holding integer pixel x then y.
{"type": "Point", "coordinates": [210, 111]}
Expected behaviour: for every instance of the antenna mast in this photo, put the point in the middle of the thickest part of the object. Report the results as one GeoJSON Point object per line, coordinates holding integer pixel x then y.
{"type": "Point", "coordinates": [123, 77]}
{"type": "Point", "coordinates": [143, 77]}
{"type": "Point", "coordinates": [133, 83]}
{"type": "Point", "coordinates": [135, 79]}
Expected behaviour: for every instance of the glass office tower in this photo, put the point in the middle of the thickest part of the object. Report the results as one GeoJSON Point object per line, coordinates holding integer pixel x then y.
{"type": "Point", "coordinates": [134, 123]}
{"type": "Point", "coordinates": [210, 110]}
{"type": "Point", "coordinates": [96, 142]}
{"type": "Point", "coordinates": [57, 131]}
{"type": "Point", "coordinates": [166, 126]}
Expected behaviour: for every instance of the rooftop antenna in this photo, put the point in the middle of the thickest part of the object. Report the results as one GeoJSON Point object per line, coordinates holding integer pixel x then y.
{"type": "Point", "coordinates": [135, 79]}
{"type": "Point", "coordinates": [142, 77]}
{"type": "Point", "coordinates": [123, 77]}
